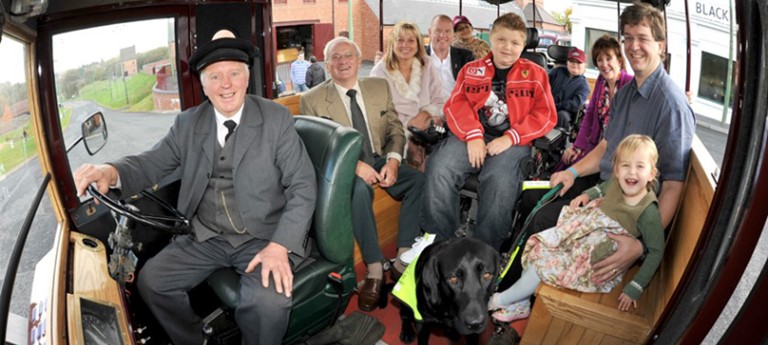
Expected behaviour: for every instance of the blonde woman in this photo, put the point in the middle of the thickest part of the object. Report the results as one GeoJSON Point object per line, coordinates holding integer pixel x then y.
{"type": "Point", "coordinates": [415, 83]}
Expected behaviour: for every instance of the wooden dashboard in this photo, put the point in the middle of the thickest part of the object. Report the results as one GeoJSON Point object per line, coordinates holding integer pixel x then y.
{"type": "Point", "coordinates": [95, 310]}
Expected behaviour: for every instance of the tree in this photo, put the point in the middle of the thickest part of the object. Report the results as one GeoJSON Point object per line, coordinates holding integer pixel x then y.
{"type": "Point", "coordinates": [153, 55]}
{"type": "Point", "coordinates": [70, 83]}
{"type": "Point", "coordinates": [564, 18]}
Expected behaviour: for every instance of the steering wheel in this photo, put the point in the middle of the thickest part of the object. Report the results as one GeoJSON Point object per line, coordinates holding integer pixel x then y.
{"type": "Point", "coordinates": [176, 224]}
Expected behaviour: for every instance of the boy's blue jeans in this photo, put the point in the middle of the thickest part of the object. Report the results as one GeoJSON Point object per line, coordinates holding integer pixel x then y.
{"type": "Point", "coordinates": [499, 180]}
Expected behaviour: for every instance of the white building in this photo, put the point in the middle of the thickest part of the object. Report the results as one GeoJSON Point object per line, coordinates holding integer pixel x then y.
{"type": "Point", "coordinates": [709, 27]}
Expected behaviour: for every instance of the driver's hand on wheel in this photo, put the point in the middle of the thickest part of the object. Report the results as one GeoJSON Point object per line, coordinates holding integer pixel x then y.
{"type": "Point", "coordinates": [104, 175]}
{"type": "Point", "coordinates": [274, 259]}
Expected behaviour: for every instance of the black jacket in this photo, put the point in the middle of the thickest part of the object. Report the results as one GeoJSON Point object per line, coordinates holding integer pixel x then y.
{"type": "Point", "coordinates": [315, 75]}
{"type": "Point", "coordinates": [459, 58]}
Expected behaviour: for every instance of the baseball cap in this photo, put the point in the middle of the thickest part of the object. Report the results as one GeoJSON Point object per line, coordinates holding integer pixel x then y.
{"type": "Point", "coordinates": [460, 19]}
{"type": "Point", "coordinates": [577, 54]}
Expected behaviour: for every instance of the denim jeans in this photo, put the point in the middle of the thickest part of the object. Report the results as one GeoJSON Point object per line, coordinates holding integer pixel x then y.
{"type": "Point", "coordinates": [300, 88]}
{"type": "Point", "coordinates": [499, 182]}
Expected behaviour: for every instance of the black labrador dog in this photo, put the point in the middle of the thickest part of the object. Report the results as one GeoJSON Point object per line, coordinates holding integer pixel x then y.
{"type": "Point", "coordinates": [454, 280]}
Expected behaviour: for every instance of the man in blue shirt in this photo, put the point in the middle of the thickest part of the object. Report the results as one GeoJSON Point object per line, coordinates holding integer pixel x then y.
{"type": "Point", "coordinates": [299, 73]}
{"type": "Point", "coordinates": [652, 104]}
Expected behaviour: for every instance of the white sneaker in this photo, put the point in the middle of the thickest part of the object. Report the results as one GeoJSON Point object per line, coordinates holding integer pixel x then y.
{"type": "Point", "coordinates": [417, 247]}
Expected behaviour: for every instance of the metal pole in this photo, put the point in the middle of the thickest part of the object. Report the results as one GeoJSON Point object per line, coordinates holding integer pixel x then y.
{"type": "Point", "coordinates": [461, 5]}
{"type": "Point", "coordinates": [13, 260]}
{"type": "Point", "coordinates": [729, 78]}
{"type": "Point", "coordinates": [688, 50]}
{"type": "Point", "coordinates": [618, 22]}
{"type": "Point", "coordinates": [350, 24]}
{"type": "Point", "coordinates": [381, 25]}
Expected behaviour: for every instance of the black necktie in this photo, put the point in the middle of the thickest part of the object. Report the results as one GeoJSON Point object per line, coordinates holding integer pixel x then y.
{"type": "Point", "coordinates": [358, 122]}
{"type": "Point", "coordinates": [230, 128]}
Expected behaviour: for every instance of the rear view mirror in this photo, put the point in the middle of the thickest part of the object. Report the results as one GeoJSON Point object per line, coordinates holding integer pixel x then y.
{"type": "Point", "coordinates": [94, 133]}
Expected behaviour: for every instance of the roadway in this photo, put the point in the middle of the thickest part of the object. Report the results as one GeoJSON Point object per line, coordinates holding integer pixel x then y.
{"type": "Point", "coordinates": [128, 133]}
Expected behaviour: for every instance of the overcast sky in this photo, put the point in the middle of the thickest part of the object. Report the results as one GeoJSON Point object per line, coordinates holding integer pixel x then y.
{"type": "Point", "coordinates": [11, 61]}
{"type": "Point", "coordinates": [557, 5]}
{"type": "Point", "coordinates": [78, 48]}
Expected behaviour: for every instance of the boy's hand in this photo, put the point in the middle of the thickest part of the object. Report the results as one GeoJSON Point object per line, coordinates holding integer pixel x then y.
{"type": "Point", "coordinates": [625, 301]}
{"type": "Point", "coordinates": [476, 152]}
{"type": "Point", "coordinates": [580, 200]}
{"type": "Point", "coordinates": [499, 145]}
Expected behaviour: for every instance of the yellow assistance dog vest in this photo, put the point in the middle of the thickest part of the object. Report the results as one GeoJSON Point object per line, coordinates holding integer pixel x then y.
{"type": "Point", "coordinates": [405, 289]}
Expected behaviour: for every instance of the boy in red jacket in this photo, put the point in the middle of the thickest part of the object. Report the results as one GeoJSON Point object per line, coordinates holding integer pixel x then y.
{"type": "Point", "coordinates": [499, 105]}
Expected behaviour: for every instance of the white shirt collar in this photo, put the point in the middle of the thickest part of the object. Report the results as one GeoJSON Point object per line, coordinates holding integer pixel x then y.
{"type": "Point", "coordinates": [437, 58]}
{"type": "Point", "coordinates": [221, 130]}
{"type": "Point", "coordinates": [343, 91]}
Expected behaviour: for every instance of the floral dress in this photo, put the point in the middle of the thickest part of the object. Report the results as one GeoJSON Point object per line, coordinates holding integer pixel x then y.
{"type": "Point", "coordinates": [563, 255]}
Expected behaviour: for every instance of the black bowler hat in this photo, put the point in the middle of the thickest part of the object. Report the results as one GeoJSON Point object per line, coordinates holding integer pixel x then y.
{"type": "Point", "coordinates": [223, 47]}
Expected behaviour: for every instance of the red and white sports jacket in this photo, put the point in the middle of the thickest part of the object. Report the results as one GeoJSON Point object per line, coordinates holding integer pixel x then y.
{"type": "Point", "coordinates": [531, 108]}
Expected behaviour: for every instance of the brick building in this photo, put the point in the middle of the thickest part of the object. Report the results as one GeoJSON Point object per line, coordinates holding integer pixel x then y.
{"type": "Point", "coordinates": [311, 23]}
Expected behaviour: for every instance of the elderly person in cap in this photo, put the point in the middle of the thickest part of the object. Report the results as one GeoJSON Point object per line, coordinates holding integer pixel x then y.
{"type": "Point", "coordinates": [246, 183]}
{"type": "Point", "coordinates": [569, 87]}
{"type": "Point", "coordinates": [465, 38]}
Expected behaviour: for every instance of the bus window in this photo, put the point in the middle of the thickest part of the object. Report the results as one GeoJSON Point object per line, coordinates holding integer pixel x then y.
{"type": "Point", "coordinates": [592, 36]}
{"type": "Point", "coordinates": [710, 35]}
{"type": "Point", "coordinates": [20, 175]}
{"type": "Point", "coordinates": [129, 75]}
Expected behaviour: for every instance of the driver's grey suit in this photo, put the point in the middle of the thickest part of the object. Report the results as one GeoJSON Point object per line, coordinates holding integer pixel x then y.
{"type": "Point", "coordinates": [274, 191]}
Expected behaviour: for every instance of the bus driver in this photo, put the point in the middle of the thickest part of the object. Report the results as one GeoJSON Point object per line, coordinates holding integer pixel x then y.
{"type": "Point", "coordinates": [244, 212]}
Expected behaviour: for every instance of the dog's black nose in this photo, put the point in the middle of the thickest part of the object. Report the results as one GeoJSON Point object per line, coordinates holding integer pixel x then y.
{"type": "Point", "coordinates": [475, 324]}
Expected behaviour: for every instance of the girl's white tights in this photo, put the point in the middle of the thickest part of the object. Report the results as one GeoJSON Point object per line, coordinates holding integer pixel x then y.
{"type": "Point", "coordinates": [522, 289]}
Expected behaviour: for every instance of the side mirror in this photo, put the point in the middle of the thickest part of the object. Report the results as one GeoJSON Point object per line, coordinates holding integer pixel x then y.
{"type": "Point", "coordinates": [94, 133]}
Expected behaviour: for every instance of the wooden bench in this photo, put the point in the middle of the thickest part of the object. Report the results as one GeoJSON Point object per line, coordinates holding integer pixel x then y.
{"type": "Point", "coordinates": [566, 316]}
{"type": "Point", "coordinates": [386, 210]}
{"type": "Point", "coordinates": [291, 102]}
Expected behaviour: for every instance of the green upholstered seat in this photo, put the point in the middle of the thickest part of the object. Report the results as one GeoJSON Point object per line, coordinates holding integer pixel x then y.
{"type": "Point", "coordinates": [334, 151]}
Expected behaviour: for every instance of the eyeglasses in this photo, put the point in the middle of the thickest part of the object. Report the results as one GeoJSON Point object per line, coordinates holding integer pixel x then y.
{"type": "Point", "coordinates": [340, 57]}
{"type": "Point", "coordinates": [631, 39]}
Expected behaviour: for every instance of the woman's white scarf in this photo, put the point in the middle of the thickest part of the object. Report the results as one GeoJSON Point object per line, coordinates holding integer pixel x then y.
{"type": "Point", "coordinates": [407, 90]}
